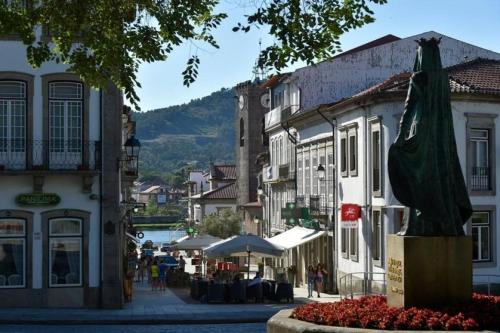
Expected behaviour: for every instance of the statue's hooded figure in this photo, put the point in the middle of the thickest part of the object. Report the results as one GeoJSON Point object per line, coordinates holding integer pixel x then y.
{"type": "Point", "coordinates": [424, 169]}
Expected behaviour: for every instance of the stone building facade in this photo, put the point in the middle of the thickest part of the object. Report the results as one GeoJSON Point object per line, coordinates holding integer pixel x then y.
{"type": "Point", "coordinates": [251, 102]}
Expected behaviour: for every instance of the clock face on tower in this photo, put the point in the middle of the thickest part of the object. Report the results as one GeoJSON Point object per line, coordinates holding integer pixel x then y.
{"type": "Point", "coordinates": [264, 100]}
{"type": "Point", "coordinates": [241, 102]}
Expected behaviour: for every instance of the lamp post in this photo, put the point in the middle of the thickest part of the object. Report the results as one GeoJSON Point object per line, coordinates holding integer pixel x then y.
{"type": "Point", "coordinates": [322, 177]}
{"type": "Point", "coordinates": [132, 148]}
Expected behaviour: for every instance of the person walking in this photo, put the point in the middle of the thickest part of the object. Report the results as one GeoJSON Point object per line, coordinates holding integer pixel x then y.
{"type": "Point", "coordinates": [162, 278]}
{"type": "Point", "coordinates": [311, 280]}
{"type": "Point", "coordinates": [141, 269]}
{"type": "Point", "coordinates": [182, 264]}
{"type": "Point", "coordinates": [320, 273]}
{"type": "Point", "coordinates": [155, 273]}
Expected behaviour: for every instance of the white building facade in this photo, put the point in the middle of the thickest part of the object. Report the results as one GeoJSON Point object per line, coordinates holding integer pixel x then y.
{"type": "Point", "coordinates": [325, 85]}
{"type": "Point", "coordinates": [61, 236]}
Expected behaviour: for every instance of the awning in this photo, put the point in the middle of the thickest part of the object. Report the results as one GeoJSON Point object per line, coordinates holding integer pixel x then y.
{"type": "Point", "coordinates": [132, 237]}
{"type": "Point", "coordinates": [295, 237]}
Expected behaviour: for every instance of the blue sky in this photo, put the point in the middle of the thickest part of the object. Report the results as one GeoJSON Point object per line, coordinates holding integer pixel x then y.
{"type": "Point", "coordinates": [473, 21]}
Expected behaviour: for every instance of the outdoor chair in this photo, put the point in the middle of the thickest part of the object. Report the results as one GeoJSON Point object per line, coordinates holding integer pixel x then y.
{"type": "Point", "coordinates": [284, 290]}
{"type": "Point", "coordinates": [215, 292]}
{"type": "Point", "coordinates": [3, 280]}
{"type": "Point", "coordinates": [237, 292]}
{"type": "Point", "coordinates": [255, 293]}
{"type": "Point", "coordinates": [268, 290]}
{"type": "Point", "coordinates": [54, 278]}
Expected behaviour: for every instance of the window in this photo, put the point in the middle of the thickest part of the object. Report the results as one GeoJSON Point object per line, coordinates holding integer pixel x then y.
{"type": "Point", "coordinates": [353, 243]}
{"type": "Point", "coordinates": [307, 176]}
{"type": "Point", "coordinates": [13, 124]}
{"type": "Point", "coordinates": [300, 185]}
{"type": "Point", "coordinates": [315, 172]}
{"type": "Point", "coordinates": [329, 177]}
{"type": "Point", "coordinates": [12, 253]}
{"type": "Point", "coordinates": [65, 124]}
{"type": "Point", "coordinates": [65, 252]}
{"type": "Point", "coordinates": [343, 154]}
{"type": "Point", "coordinates": [376, 159]}
{"type": "Point", "coordinates": [344, 242]}
{"type": "Point", "coordinates": [377, 237]}
{"type": "Point", "coordinates": [353, 152]}
{"type": "Point", "coordinates": [242, 132]}
{"type": "Point", "coordinates": [481, 236]}
{"type": "Point", "coordinates": [480, 153]}
{"type": "Point", "coordinates": [322, 182]}
{"type": "Point", "coordinates": [480, 159]}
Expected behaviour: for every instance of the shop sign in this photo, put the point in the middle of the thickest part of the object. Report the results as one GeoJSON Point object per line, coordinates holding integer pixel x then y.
{"type": "Point", "coordinates": [38, 199]}
{"type": "Point", "coordinates": [350, 213]}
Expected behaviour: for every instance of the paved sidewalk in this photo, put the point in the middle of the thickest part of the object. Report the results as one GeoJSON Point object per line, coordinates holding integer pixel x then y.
{"type": "Point", "coordinates": [157, 307]}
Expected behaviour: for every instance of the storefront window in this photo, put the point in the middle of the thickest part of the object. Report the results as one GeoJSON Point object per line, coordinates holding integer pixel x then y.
{"type": "Point", "coordinates": [65, 252]}
{"type": "Point", "coordinates": [12, 253]}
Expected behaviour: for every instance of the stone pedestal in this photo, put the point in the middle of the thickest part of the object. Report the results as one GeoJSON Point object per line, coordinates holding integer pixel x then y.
{"type": "Point", "coordinates": [428, 271]}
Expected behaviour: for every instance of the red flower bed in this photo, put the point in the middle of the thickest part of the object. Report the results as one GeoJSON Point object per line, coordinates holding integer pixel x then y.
{"type": "Point", "coordinates": [482, 313]}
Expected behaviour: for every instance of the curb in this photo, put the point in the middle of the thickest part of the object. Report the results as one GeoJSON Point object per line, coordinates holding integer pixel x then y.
{"type": "Point", "coordinates": [196, 318]}
{"type": "Point", "coordinates": [282, 323]}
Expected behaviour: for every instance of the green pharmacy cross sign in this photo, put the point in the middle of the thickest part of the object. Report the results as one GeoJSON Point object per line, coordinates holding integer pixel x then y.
{"type": "Point", "coordinates": [298, 216]}
{"type": "Point", "coordinates": [38, 199]}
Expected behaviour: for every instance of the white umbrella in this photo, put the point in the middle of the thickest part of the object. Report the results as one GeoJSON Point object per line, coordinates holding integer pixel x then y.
{"type": "Point", "coordinates": [243, 245]}
{"type": "Point", "coordinates": [197, 243]}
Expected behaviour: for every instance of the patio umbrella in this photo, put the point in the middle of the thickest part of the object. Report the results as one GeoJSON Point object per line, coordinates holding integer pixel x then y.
{"type": "Point", "coordinates": [197, 243]}
{"type": "Point", "coordinates": [244, 245]}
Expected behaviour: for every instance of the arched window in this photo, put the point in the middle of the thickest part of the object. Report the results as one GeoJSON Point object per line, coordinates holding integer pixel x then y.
{"type": "Point", "coordinates": [242, 132]}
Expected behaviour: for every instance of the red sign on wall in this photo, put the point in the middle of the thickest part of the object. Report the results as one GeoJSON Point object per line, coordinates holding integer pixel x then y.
{"type": "Point", "coordinates": [350, 212]}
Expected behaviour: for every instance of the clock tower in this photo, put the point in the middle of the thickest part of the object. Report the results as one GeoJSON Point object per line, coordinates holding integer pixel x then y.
{"type": "Point", "coordinates": [252, 102]}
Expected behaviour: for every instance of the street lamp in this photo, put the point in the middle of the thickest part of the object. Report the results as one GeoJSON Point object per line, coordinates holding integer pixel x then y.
{"type": "Point", "coordinates": [321, 172]}
{"type": "Point", "coordinates": [132, 148]}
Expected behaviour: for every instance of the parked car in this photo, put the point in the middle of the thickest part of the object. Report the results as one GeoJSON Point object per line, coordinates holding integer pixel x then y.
{"type": "Point", "coordinates": [165, 247]}
{"type": "Point", "coordinates": [169, 260]}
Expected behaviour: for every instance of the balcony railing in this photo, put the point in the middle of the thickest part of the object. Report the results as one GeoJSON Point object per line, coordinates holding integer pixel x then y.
{"type": "Point", "coordinates": [480, 179]}
{"type": "Point", "coordinates": [19, 155]}
{"type": "Point", "coordinates": [317, 203]}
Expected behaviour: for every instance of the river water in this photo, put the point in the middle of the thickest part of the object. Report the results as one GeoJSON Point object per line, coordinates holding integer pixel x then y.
{"type": "Point", "coordinates": [162, 236]}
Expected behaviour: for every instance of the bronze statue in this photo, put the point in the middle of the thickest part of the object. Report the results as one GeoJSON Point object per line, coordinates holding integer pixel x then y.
{"type": "Point", "coordinates": [424, 169]}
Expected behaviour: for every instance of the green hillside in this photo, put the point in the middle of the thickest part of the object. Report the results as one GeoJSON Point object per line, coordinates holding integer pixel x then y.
{"type": "Point", "coordinates": [194, 133]}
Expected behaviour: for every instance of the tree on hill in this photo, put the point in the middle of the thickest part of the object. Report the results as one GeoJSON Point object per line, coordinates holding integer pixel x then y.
{"type": "Point", "coordinates": [114, 37]}
{"type": "Point", "coordinates": [224, 224]}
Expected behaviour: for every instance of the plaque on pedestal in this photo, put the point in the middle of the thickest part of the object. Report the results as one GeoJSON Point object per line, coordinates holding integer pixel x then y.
{"type": "Point", "coordinates": [428, 271]}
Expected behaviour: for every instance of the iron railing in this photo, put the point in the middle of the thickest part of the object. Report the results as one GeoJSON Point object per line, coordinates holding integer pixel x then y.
{"type": "Point", "coordinates": [480, 179]}
{"type": "Point", "coordinates": [375, 283]}
{"type": "Point", "coordinates": [318, 204]}
{"type": "Point", "coordinates": [362, 284]}
{"type": "Point", "coordinates": [20, 155]}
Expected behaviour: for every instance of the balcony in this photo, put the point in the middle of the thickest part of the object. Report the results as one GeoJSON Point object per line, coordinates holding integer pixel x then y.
{"type": "Point", "coordinates": [480, 179]}
{"type": "Point", "coordinates": [317, 204]}
{"type": "Point", "coordinates": [273, 117]}
{"type": "Point", "coordinates": [55, 155]}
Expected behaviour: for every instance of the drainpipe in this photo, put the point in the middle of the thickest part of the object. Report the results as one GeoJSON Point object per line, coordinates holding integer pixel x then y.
{"type": "Point", "coordinates": [335, 187]}
{"type": "Point", "coordinates": [100, 200]}
{"type": "Point", "coordinates": [367, 203]}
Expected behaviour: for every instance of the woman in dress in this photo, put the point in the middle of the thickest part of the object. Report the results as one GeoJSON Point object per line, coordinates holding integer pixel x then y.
{"type": "Point", "coordinates": [320, 273]}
